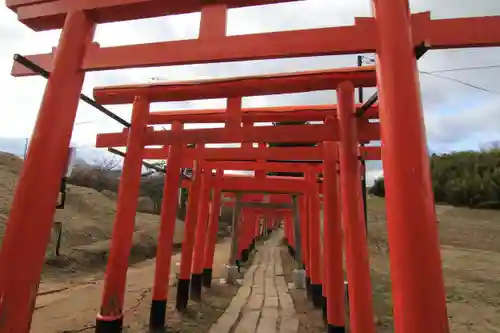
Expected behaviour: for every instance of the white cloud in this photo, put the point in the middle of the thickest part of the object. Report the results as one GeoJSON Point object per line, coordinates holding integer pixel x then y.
{"type": "Point", "coordinates": [454, 113]}
{"type": "Point", "coordinates": [372, 175]}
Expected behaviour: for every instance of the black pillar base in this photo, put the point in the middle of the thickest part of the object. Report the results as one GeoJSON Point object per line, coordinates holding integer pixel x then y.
{"type": "Point", "coordinates": [317, 295]}
{"type": "Point", "coordinates": [207, 278]}
{"type": "Point", "coordinates": [325, 312]}
{"type": "Point", "coordinates": [196, 280]}
{"type": "Point", "coordinates": [238, 264]}
{"type": "Point", "coordinates": [181, 301]}
{"type": "Point", "coordinates": [335, 329]}
{"type": "Point", "coordinates": [245, 254]}
{"type": "Point", "coordinates": [114, 326]}
{"type": "Point", "coordinates": [157, 314]}
{"type": "Point", "coordinates": [308, 288]}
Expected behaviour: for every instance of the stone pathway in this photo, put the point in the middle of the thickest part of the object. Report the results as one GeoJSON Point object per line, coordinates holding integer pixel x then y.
{"type": "Point", "coordinates": [263, 303]}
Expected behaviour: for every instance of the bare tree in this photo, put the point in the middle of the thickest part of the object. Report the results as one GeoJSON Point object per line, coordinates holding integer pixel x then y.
{"type": "Point", "coordinates": [107, 163]}
{"type": "Point", "coordinates": [104, 175]}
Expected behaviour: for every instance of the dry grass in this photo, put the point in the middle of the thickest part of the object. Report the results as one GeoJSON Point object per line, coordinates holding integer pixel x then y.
{"type": "Point", "coordinates": [471, 264]}
{"type": "Point", "coordinates": [87, 221]}
{"type": "Point", "coordinates": [470, 250]}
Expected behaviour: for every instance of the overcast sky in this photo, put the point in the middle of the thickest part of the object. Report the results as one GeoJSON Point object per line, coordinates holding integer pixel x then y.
{"type": "Point", "coordinates": [457, 117]}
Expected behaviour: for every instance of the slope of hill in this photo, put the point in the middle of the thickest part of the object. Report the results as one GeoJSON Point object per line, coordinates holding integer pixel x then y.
{"type": "Point", "coordinates": [87, 222]}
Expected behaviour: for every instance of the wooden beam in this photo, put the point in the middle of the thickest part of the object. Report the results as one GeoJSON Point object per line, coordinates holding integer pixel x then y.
{"type": "Point", "coordinates": [266, 114]}
{"type": "Point", "coordinates": [359, 38]}
{"type": "Point", "coordinates": [371, 153]}
{"type": "Point", "coordinates": [262, 205]}
{"type": "Point", "coordinates": [259, 197]}
{"type": "Point", "coordinates": [42, 15]}
{"type": "Point", "coordinates": [238, 86]}
{"type": "Point", "coordinates": [246, 154]}
{"type": "Point", "coordinates": [270, 185]}
{"type": "Point", "coordinates": [259, 166]}
{"type": "Point", "coordinates": [467, 32]}
{"type": "Point", "coordinates": [287, 133]}
{"type": "Point", "coordinates": [240, 154]}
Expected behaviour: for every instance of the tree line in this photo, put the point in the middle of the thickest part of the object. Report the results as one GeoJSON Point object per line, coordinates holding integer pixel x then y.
{"type": "Point", "coordinates": [469, 178]}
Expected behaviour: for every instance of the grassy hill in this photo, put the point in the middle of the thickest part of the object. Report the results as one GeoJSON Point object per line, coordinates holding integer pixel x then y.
{"type": "Point", "coordinates": [87, 222]}
{"type": "Point", "coordinates": [470, 178]}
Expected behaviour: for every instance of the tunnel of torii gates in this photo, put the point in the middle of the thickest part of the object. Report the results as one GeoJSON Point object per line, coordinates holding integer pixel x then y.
{"type": "Point", "coordinates": [419, 302]}
{"type": "Point", "coordinates": [337, 124]}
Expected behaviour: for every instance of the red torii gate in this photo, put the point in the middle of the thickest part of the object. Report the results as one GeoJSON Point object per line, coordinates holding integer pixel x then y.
{"type": "Point", "coordinates": [240, 158]}
{"type": "Point", "coordinates": [418, 293]}
{"type": "Point", "coordinates": [103, 140]}
{"type": "Point", "coordinates": [251, 85]}
{"type": "Point", "coordinates": [272, 184]}
{"type": "Point", "coordinates": [256, 115]}
{"type": "Point", "coordinates": [362, 37]}
{"type": "Point", "coordinates": [368, 152]}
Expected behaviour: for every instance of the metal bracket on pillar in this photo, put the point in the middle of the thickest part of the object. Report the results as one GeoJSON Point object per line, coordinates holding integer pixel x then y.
{"type": "Point", "coordinates": [420, 51]}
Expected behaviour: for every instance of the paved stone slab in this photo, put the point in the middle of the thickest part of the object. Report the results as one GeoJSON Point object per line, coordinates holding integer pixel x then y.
{"type": "Point", "coordinates": [271, 302]}
{"type": "Point", "coordinates": [268, 321]}
{"type": "Point", "coordinates": [255, 302]}
{"type": "Point", "coordinates": [248, 323]}
{"type": "Point", "coordinates": [290, 325]}
{"type": "Point", "coordinates": [263, 302]}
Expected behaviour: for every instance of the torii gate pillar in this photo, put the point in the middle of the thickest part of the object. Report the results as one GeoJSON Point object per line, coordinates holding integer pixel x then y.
{"type": "Point", "coordinates": [417, 279]}
{"type": "Point", "coordinates": [332, 243]}
{"type": "Point", "coordinates": [200, 236]}
{"type": "Point", "coordinates": [213, 227]}
{"type": "Point", "coordinates": [110, 317]}
{"type": "Point", "coordinates": [357, 262]}
{"type": "Point", "coordinates": [36, 194]}
{"type": "Point", "coordinates": [166, 236]}
{"type": "Point", "coordinates": [184, 280]}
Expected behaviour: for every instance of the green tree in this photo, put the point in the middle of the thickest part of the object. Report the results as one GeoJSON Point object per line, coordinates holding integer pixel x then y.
{"type": "Point", "coordinates": [467, 178]}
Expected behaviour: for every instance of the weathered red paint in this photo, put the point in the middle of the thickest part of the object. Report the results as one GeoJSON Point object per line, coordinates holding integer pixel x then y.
{"type": "Point", "coordinates": [417, 281]}
{"type": "Point", "coordinates": [167, 221]}
{"type": "Point", "coordinates": [357, 262]}
{"type": "Point", "coordinates": [124, 223]}
{"type": "Point", "coordinates": [35, 199]}
{"type": "Point", "coordinates": [312, 133]}
{"type": "Point", "coordinates": [359, 38]}
{"type": "Point", "coordinates": [201, 226]}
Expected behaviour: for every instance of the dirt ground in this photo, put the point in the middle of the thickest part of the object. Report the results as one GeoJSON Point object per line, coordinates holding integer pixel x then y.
{"type": "Point", "coordinates": [470, 250]}
{"type": "Point", "coordinates": [310, 318]}
{"type": "Point", "coordinates": [71, 284]}
{"type": "Point", "coordinates": [65, 307]}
